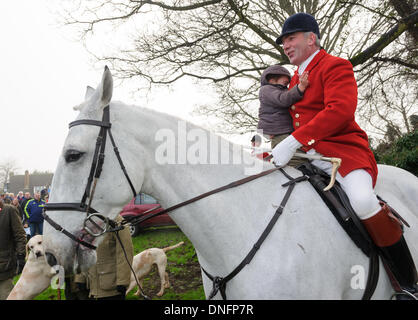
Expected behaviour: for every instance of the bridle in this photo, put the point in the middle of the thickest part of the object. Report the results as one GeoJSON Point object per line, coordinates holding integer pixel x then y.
{"type": "Point", "coordinates": [92, 216]}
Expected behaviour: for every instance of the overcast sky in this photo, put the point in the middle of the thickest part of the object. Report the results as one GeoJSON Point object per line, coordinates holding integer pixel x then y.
{"type": "Point", "coordinates": [44, 73]}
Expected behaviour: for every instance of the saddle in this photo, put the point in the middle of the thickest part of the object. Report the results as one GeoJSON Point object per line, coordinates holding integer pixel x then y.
{"type": "Point", "coordinates": [339, 204]}
{"type": "Point", "coordinates": [337, 201]}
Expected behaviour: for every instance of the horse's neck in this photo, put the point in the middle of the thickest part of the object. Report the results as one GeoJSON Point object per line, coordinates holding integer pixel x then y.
{"type": "Point", "coordinates": [225, 222]}
{"type": "Point", "coordinates": [220, 226]}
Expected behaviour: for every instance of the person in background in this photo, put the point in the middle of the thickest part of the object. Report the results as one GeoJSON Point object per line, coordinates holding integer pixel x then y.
{"type": "Point", "coordinates": [20, 196]}
{"type": "Point", "coordinates": [25, 199]}
{"type": "Point", "coordinates": [16, 203]}
{"type": "Point", "coordinates": [33, 212]}
{"type": "Point", "coordinates": [256, 143]}
{"type": "Point", "coordinates": [12, 247]}
{"type": "Point", "coordinates": [109, 278]}
{"type": "Point", "coordinates": [8, 198]}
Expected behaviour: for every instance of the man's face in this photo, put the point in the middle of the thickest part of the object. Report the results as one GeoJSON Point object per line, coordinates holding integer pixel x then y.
{"type": "Point", "coordinates": [37, 196]}
{"type": "Point", "coordinates": [297, 47]}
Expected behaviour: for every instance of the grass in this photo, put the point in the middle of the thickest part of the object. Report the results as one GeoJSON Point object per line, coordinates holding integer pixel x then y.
{"type": "Point", "coordinates": [182, 267]}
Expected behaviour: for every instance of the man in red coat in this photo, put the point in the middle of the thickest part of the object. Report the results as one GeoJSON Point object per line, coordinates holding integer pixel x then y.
{"type": "Point", "coordinates": [324, 124]}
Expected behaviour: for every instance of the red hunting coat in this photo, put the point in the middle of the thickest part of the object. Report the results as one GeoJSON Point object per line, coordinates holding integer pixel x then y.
{"type": "Point", "coordinates": [324, 118]}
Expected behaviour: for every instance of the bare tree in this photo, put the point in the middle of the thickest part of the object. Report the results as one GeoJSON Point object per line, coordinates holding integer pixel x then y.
{"type": "Point", "coordinates": [226, 44]}
{"type": "Point", "coordinates": [389, 89]}
{"type": "Point", "coordinates": [6, 168]}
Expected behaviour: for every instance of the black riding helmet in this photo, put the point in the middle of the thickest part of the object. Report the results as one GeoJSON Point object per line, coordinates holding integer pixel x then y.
{"type": "Point", "coordinates": [299, 22]}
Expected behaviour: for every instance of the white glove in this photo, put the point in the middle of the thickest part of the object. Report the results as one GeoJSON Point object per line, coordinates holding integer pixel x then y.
{"type": "Point", "coordinates": [284, 151]}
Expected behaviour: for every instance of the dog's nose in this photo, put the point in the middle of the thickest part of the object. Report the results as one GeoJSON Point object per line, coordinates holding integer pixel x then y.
{"type": "Point", "coordinates": [38, 254]}
{"type": "Point", "coordinates": [50, 258]}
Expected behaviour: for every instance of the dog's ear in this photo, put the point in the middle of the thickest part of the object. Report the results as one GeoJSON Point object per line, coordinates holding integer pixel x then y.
{"type": "Point", "coordinates": [27, 251]}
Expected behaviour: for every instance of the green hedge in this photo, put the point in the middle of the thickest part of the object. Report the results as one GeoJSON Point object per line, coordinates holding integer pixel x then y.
{"type": "Point", "coordinates": [402, 153]}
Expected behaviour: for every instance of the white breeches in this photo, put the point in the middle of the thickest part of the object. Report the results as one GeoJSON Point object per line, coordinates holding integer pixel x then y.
{"type": "Point", "coordinates": [358, 185]}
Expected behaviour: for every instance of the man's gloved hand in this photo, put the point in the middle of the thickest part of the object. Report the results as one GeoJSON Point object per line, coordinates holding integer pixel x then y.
{"type": "Point", "coordinates": [284, 151]}
{"type": "Point", "coordinates": [20, 263]}
{"type": "Point", "coordinates": [121, 289]}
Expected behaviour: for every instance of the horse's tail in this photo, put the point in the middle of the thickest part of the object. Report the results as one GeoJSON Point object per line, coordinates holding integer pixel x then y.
{"type": "Point", "coordinates": [173, 247]}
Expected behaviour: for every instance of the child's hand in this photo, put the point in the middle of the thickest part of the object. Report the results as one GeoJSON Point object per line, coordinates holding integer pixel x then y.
{"type": "Point", "coordinates": [303, 81]}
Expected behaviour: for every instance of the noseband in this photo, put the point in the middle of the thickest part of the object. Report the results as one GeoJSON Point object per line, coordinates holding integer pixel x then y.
{"type": "Point", "coordinates": [95, 172]}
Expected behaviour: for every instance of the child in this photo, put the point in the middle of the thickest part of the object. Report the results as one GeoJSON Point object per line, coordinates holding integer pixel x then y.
{"type": "Point", "coordinates": [275, 100]}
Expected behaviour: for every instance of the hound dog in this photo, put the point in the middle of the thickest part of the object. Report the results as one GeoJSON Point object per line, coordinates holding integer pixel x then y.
{"type": "Point", "coordinates": [37, 273]}
{"type": "Point", "coordinates": [142, 264]}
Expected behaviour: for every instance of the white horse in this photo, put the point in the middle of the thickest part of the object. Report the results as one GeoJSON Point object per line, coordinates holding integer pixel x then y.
{"type": "Point", "coordinates": [306, 256]}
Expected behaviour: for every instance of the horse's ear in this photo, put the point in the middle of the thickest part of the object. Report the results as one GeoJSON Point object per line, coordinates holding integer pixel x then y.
{"type": "Point", "coordinates": [96, 100]}
{"type": "Point", "coordinates": [106, 87]}
{"type": "Point", "coordinates": [89, 92]}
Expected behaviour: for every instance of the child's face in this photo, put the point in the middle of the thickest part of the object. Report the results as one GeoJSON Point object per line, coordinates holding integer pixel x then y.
{"type": "Point", "coordinates": [283, 80]}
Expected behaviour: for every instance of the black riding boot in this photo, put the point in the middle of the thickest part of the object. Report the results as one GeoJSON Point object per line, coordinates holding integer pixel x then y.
{"type": "Point", "coordinates": [401, 263]}
{"type": "Point", "coordinates": [386, 233]}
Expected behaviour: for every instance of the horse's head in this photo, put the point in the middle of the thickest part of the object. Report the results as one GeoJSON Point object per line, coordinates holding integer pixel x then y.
{"type": "Point", "coordinates": [74, 181]}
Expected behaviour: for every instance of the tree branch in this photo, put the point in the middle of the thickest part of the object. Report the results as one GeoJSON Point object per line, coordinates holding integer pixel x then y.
{"type": "Point", "coordinates": [253, 27]}
{"type": "Point", "coordinates": [179, 8]}
{"type": "Point", "coordinates": [397, 61]}
{"type": "Point", "coordinates": [385, 39]}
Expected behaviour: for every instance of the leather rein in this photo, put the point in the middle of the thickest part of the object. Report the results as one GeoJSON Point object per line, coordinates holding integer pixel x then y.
{"type": "Point", "coordinates": [111, 225]}
{"type": "Point", "coordinates": [95, 172]}
{"type": "Point", "coordinates": [219, 283]}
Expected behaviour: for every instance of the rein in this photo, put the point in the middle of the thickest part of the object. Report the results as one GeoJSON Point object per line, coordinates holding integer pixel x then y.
{"type": "Point", "coordinates": [95, 172]}
{"type": "Point", "coordinates": [219, 283]}
{"type": "Point", "coordinates": [140, 219]}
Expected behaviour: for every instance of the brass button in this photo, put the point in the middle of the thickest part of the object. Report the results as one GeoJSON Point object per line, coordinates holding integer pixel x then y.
{"type": "Point", "coordinates": [297, 115]}
{"type": "Point", "coordinates": [297, 124]}
{"type": "Point", "coordinates": [293, 107]}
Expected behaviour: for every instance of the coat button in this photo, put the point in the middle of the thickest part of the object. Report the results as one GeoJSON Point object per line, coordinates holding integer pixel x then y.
{"type": "Point", "coordinates": [297, 124]}
{"type": "Point", "coordinates": [297, 115]}
{"type": "Point", "coordinates": [293, 107]}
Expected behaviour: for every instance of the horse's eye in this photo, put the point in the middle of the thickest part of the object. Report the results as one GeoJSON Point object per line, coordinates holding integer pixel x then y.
{"type": "Point", "coordinates": [73, 155]}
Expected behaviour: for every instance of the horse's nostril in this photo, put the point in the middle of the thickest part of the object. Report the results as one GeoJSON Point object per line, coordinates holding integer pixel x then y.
{"type": "Point", "coordinates": [50, 258]}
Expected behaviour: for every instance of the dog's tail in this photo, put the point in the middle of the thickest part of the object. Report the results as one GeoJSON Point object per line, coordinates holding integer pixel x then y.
{"type": "Point", "coordinates": [173, 247]}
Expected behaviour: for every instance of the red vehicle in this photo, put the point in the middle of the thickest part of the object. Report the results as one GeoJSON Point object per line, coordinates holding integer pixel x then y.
{"type": "Point", "coordinates": [141, 204]}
